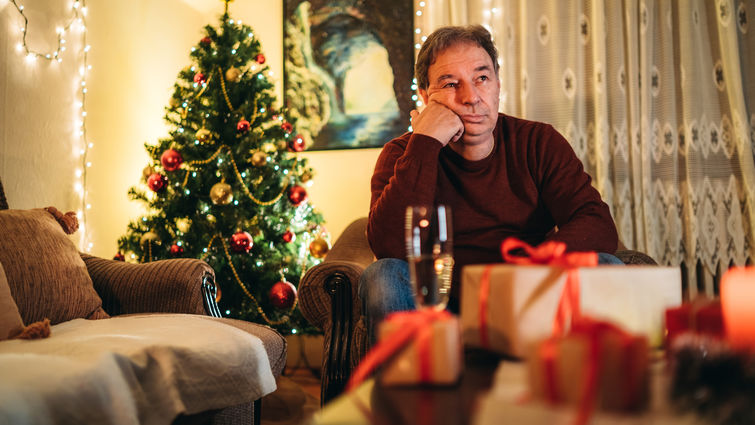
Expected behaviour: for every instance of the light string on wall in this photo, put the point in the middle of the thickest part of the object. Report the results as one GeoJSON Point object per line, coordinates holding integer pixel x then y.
{"type": "Point", "coordinates": [77, 23]}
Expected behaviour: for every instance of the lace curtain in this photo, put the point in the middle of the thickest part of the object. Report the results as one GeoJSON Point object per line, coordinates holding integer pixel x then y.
{"type": "Point", "coordinates": [656, 98]}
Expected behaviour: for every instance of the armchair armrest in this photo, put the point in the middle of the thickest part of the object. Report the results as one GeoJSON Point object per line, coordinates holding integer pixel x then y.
{"type": "Point", "coordinates": [182, 285]}
{"type": "Point", "coordinates": [329, 299]}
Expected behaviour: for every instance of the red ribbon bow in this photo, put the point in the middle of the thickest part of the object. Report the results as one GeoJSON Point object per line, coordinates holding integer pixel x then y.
{"type": "Point", "coordinates": [410, 325]}
{"type": "Point", "coordinates": [550, 253]}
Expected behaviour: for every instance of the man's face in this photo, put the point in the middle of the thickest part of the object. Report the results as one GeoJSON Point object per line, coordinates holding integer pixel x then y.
{"type": "Point", "coordinates": [463, 79]}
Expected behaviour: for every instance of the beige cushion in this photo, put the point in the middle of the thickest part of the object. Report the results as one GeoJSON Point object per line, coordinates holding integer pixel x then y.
{"type": "Point", "coordinates": [10, 320]}
{"type": "Point", "coordinates": [46, 275]}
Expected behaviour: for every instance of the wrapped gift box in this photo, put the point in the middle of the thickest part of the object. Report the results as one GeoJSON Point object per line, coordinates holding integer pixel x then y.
{"type": "Point", "coordinates": [522, 302]}
{"type": "Point", "coordinates": [702, 315]}
{"type": "Point", "coordinates": [622, 369]}
{"type": "Point", "coordinates": [441, 359]}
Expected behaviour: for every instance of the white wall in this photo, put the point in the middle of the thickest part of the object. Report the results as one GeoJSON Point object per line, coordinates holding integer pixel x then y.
{"type": "Point", "coordinates": [37, 111]}
{"type": "Point", "coordinates": [138, 48]}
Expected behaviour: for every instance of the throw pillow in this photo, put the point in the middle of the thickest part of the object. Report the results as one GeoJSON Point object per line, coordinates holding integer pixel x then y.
{"type": "Point", "coordinates": [10, 321]}
{"type": "Point", "coordinates": [46, 275]}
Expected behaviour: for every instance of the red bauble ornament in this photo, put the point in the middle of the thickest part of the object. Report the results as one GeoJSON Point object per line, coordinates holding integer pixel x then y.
{"type": "Point", "coordinates": [119, 257]}
{"type": "Point", "coordinates": [157, 182]}
{"type": "Point", "coordinates": [242, 126]}
{"type": "Point", "coordinates": [296, 144]}
{"type": "Point", "coordinates": [176, 250]}
{"type": "Point", "coordinates": [287, 127]}
{"type": "Point", "coordinates": [241, 242]}
{"type": "Point", "coordinates": [260, 59]}
{"type": "Point", "coordinates": [282, 295]}
{"type": "Point", "coordinates": [297, 195]}
{"type": "Point", "coordinates": [206, 40]}
{"type": "Point", "coordinates": [199, 78]}
{"type": "Point", "coordinates": [289, 236]}
{"type": "Point", "coordinates": [171, 160]}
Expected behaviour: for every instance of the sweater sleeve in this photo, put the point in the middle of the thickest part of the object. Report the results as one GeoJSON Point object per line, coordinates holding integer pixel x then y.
{"type": "Point", "coordinates": [405, 174]}
{"type": "Point", "coordinates": [584, 221]}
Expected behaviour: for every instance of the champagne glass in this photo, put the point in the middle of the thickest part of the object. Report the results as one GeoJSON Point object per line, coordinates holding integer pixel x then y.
{"type": "Point", "coordinates": [429, 248]}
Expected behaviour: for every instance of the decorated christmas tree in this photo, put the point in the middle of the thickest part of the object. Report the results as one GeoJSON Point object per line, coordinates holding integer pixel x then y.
{"type": "Point", "coordinates": [227, 185]}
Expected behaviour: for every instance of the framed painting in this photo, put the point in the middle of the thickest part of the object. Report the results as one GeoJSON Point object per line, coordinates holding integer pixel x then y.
{"type": "Point", "coordinates": [348, 68]}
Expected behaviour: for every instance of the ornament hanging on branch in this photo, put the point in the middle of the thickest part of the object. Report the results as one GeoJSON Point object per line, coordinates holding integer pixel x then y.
{"type": "Point", "coordinates": [206, 41]}
{"type": "Point", "coordinates": [259, 158]}
{"type": "Point", "coordinates": [233, 75]}
{"type": "Point", "coordinates": [296, 144]}
{"type": "Point", "coordinates": [199, 78]}
{"type": "Point", "coordinates": [297, 195]}
{"type": "Point", "coordinates": [260, 58]}
{"type": "Point", "coordinates": [171, 160]}
{"type": "Point", "coordinates": [204, 135]}
{"type": "Point", "coordinates": [288, 236]}
{"type": "Point", "coordinates": [319, 247]}
{"type": "Point", "coordinates": [157, 182]}
{"type": "Point", "coordinates": [287, 127]}
{"type": "Point", "coordinates": [221, 193]}
{"type": "Point", "coordinates": [282, 295]}
{"type": "Point", "coordinates": [242, 126]}
{"type": "Point", "coordinates": [241, 242]}
{"type": "Point", "coordinates": [119, 257]}
{"type": "Point", "coordinates": [183, 224]}
{"type": "Point", "coordinates": [176, 250]}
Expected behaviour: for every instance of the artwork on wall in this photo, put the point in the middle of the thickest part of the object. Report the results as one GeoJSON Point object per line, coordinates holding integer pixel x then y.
{"type": "Point", "coordinates": [348, 69]}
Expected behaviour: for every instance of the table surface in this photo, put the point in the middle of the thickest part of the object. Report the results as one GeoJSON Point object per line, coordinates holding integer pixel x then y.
{"type": "Point", "coordinates": [489, 393]}
{"type": "Point", "coordinates": [373, 403]}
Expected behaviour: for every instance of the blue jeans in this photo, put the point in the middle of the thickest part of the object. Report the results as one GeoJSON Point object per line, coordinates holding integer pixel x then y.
{"type": "Point", "coordinates": [384, 288]}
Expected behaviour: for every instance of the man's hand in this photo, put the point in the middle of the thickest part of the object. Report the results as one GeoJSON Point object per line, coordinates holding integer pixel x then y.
{"type": "Point", "coordinates": [437, 121]}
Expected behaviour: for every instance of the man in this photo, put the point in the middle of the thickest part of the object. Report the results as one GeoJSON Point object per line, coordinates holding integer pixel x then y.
{"type": "Point", "coordinates": [501, 176]}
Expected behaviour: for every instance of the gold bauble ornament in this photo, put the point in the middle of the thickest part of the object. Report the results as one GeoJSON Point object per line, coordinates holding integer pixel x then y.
{"type": "Point", "coordinates": [259, 159]}
{"type": "Point", "coordinates": [204, 135]}
{"type": "Point", "coordinates": [221, 194]}
{"type": "Point", "coordinates": [281, 145]}
{"type": "Point", "coordinates": [183, 224]}
{"type": "Point", "coordinates": [233, 75]}
{"type": "Point", "coordinates": [269, 147]}
{"type": "Point", "coordinates": [211, 218]}
{"type": "Point", "coordinates": [319, 247]}
{"type": "Point", "coordinates": [306, 176]}
{"type": "Point", "coordinates": [149, 238]}
{"type": "Point", "coordinates": [148, 171]}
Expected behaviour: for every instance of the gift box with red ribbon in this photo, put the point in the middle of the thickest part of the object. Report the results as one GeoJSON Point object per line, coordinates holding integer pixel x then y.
{"type": "Point", "coordinates": [434, 356]}
{"type": "Point", "coordinates": [596, 365]}
{"type": "Point", "coordinates": [509, 307]}
{"type": "Point", "coordinates": [414, 347]}
{"type": "Point", "coordinates": [702, 316]}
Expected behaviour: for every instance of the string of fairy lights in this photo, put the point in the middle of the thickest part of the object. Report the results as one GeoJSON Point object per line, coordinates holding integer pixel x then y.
{"type": "Point", "coordinates": [75, 25]}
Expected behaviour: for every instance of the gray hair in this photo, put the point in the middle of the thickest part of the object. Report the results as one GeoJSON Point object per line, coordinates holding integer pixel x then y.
{"type": "Point", "coordinates": [445, 37]}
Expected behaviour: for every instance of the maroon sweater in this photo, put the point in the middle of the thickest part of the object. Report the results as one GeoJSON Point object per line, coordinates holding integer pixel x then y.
{"type": "Point", "coordinates": [531, 182]}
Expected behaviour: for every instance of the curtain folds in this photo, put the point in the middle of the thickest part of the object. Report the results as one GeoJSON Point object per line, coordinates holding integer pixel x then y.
{"type": "Point", "coordinates": [656, 98]}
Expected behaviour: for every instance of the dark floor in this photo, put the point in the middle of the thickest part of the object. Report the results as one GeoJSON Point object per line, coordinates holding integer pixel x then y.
{"type": "Point", "coordinates": [296, 399]}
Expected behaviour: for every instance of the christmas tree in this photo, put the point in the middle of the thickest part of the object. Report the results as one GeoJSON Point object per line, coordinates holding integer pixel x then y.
{"type": "Point", "coordinates": [227, 185]}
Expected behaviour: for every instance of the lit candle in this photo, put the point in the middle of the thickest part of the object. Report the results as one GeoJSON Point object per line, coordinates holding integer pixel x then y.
{"type": "Point", "coordinates": [737, 297]}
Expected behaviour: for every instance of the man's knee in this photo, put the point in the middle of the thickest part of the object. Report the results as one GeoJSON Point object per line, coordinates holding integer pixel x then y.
{"type": "Point", "coordinates": [384, 286]}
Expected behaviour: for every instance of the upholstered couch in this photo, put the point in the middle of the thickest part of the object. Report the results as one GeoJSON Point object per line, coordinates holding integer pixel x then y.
{"type": "Point", "coordinates": [128, 343]}
{"type": "Point", "coordinates": [329, 299]}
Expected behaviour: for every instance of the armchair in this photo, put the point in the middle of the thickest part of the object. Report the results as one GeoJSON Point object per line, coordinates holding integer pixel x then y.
{"type": "Point", "coordinates": [329, 299]}
{"type": "Point", "coordinates": [185, 286]}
